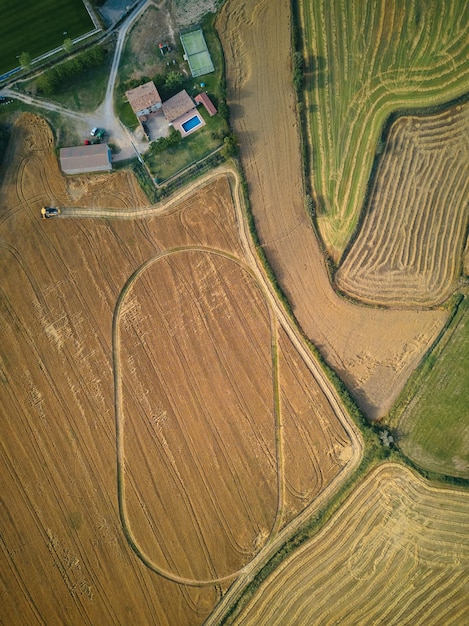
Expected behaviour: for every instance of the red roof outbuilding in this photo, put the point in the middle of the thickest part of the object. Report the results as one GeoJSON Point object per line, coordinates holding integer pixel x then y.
{"type": "Point", "coordinates": [202, 98]}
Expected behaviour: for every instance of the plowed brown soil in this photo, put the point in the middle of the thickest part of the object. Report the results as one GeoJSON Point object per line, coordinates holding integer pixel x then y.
{"type": "Point", "coordinates": [373, 350]}
{"type": "Point", "coordinates": [173, 368]}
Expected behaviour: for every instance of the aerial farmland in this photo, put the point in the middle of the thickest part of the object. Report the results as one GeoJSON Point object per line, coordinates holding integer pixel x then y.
{"type": "Point", "coordinates": [233, 372]}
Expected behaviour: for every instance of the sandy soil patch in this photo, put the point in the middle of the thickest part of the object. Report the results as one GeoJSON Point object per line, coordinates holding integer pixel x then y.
{"type": "Point", "coordinates": [154, 26]}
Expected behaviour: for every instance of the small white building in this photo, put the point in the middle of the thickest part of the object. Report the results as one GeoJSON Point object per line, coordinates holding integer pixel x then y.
{"type": "Point", "coordinates": [84, 159]}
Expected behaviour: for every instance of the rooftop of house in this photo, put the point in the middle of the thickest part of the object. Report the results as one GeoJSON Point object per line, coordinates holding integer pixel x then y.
{"type": "Point", "coordinates": [178, 105]}
{"type": "Point", "coordinates": [143, 97]}
{"type": "Point", "coordinates": [85, 157]}
{"type": "Point", "coordinates": [202, 98]}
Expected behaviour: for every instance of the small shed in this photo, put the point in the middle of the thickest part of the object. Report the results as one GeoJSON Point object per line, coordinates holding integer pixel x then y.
{"type": "Point", "coordinates": [202, 98]}
{"type": "Point", "coordinates": [84, 159]}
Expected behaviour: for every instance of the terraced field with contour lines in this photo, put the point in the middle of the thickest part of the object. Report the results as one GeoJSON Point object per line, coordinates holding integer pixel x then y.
{"type": "Point", "coordinates": [409, 249]}
{"type": "Point", "coordinates": [397, 552]}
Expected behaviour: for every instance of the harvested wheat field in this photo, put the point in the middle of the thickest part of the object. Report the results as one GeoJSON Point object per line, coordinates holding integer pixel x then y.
{"type": "Point", "coordinates": [409, 249]}
{"type": "Point", "coordinates": [157, 422]}
{"type": "Point", "coordinates": [372, 350]}
{"type": "Point", "coordinates": [397, 552]}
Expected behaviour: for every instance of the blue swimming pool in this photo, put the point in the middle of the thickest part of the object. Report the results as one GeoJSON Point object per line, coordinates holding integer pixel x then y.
{"type": "Point", "coordinates": [191, 123]}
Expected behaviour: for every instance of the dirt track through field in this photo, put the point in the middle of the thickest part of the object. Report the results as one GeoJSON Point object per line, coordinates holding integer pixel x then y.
{"type": "Point", "coordinates": [373, 350]}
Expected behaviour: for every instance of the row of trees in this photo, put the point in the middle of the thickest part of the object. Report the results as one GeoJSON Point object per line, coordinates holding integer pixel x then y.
{"type": "Point", "coordinates": [49, 81]}
{"type": "Point", "coordinates": [25, 58]}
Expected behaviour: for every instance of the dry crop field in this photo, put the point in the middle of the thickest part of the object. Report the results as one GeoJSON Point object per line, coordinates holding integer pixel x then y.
{"type": "Point", "coordinates": [157, 423]}
{"type": "Point", "coordinates": [373, 350]}
{"type": "Point", "coordinates": [409, 249]}
{"type": "Point", "coordinates": [365, 60]}
{"type": "Point", "coordinates": [397, 552]}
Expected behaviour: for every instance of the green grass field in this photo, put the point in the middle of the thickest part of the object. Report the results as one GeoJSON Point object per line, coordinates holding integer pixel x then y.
{"type": "Point", "coordinates": [39, 26]}
{"type": "Point", "coordinates": [434, 429]}
{"type": "Point", "coordinates": [363, 61]}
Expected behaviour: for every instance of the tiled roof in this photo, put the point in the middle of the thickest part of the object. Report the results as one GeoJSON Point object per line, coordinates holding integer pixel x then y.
{"type": "Point", "coordinates": [143, 97]}
{"type": "Point", "coordinates": [85, 158]}
{"type": "Point", "coordinates": [177, 105]}
{"type": "Point", "coordinates": [202, 98]}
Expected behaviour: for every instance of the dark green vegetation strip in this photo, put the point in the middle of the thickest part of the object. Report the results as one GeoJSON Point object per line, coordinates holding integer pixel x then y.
{"type": "Point", "coordinates": [4, 138]}
{"type": "Point", "coordinates": [37, 27]}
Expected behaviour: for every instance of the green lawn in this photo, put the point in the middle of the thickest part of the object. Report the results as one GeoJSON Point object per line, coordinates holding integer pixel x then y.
{"type": "Point", "coordinates": [37, 27]}
{"type": "Point", "coordinates": [191, 148]}
{"type": "Point", "coordinates": [434, 430]}
{"type": "Point", "coordinates": [83, 89]}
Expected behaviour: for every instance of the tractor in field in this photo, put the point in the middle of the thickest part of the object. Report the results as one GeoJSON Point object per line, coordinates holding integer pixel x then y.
{"type": "Point", "coordinates": [48, 211]}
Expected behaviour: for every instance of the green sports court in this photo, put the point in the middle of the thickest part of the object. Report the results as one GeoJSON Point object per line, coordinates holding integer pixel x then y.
{"type": "Point", "coordinates": [196, 53]}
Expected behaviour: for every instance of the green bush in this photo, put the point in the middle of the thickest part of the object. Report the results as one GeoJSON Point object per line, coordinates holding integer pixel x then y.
{"type": "Point", "coordinates": [161, 144]}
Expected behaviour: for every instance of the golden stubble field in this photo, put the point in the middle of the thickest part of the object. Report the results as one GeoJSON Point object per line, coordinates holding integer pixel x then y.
{"type": "Point", "coordinates": [157, 423]}
{"type": "Point", "coordinates": [409, 249]}
{"type": "Point", "coordinates": [397, 552]}
{"type": "Point", "coordinates": [374, 351]}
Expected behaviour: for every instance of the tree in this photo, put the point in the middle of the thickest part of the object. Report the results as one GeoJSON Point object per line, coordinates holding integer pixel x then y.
{"type": "Point", "coordinates": [67, 45]}
{"type": "Point", "coordinates": [298, 67]}
{"type": "Point", "coordinates": [173, 79]}
{"type": "Point", "coordinates": [25, 60]}
{"type": "Point", "coordinates": [230, 146]}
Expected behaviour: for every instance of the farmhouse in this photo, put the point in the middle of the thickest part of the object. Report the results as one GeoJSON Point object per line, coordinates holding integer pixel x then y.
{"type": "Point", "coordinates": [154, 115]}
{"type": "Point", "coordinates": [83, 159]}
{"type": "Point", "coordinates": [178, 105]}
{"type": "Point", "coordinates": [144, 100]}
{"type": "Point", "coordinates": [180, 111]}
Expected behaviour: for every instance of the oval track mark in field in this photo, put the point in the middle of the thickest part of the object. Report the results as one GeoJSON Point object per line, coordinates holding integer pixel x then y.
{"type": "Point", "coordinates": [200, 467]}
